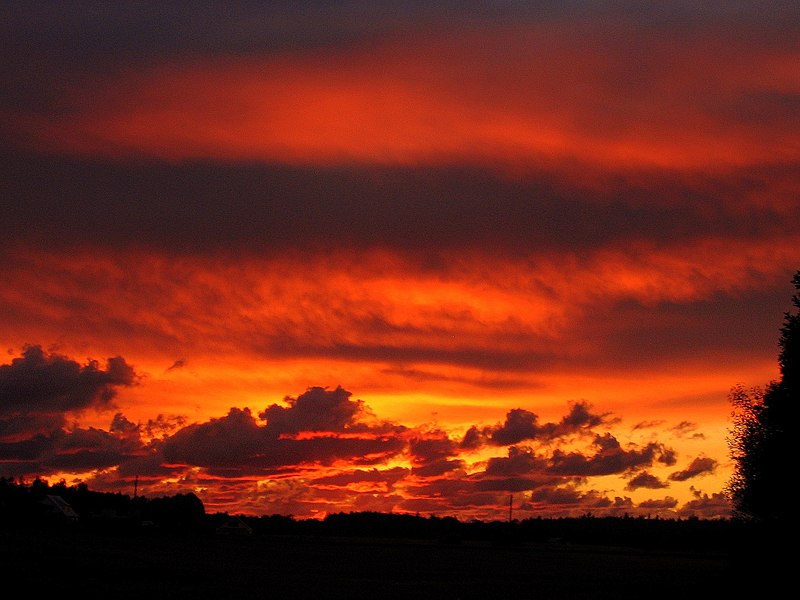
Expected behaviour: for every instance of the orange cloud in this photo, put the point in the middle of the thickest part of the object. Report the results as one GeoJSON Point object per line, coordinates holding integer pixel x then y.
{"type": "Point", "coordinates": [513, 97]}
{"type": "Point", "coordinates": [444, 341]}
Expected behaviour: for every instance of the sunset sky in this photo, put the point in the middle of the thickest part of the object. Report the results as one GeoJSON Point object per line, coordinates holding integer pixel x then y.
{"type": "Point", "coordinates": [312, 257]}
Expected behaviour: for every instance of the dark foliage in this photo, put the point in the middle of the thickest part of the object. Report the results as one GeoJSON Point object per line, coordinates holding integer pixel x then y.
{"type": "Point", "coordinates": [765, 431]}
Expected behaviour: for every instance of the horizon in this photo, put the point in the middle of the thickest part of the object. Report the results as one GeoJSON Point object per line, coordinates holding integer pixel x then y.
{"type": "Point", "coordinates": [588, 515]}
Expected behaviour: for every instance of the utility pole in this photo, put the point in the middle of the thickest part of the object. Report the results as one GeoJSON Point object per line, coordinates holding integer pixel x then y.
{"type": "Point", "coordinates": [135, 486]}
{"type": "Point", "coordinates": [510, 506]}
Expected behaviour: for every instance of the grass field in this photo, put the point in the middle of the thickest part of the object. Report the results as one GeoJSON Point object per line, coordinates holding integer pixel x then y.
{"type": "Point", "coordinates": [139, 566]}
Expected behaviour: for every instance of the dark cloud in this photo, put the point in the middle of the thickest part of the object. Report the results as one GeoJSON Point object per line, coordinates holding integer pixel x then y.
{"type": "Point", "coordinates": [645, 480]}
{"type": "Point", "coordinates": [236, 445]}
{"type": "Point", "coordinates": [25, 453]}
{"type": "Point", "coordinates": [100, 31]}
{"type": "Point", "coordinates": [648, 424]}
{"type": "Point", "coordinates": [73, 450]}
{"type": "Point", "coordinates": [226, 441]}
{"type": "Point", "coordinates": [162, 426]}
{"type": "Point", "coordinates": [611, 507]}
{"type": "Point", "coordinates": [521, 425]}
{"type": "Point", "coordinates": [509, 484]}
{"type": "Point", "coordinates": [148, 466]}
{"type": "Point", "coordinates": [427, 351]}
{"type": "Point", "coordinates": [580, 418]}
{"type": "Point", "coordinates": [473, 439]}
{"type": "Point", "coordinates": [424, 505]}
{"type": "Point", "coordinates": [435, 446]}
{"type": "Point", "coordinates": [684, 428]}
{"type": "Point", "coordinates": [636, 333]}
{"type": "Point", "coordinates": [520, 461]}
{"type": "Point", "coordinates": [444, 488]}
{"type": "Point", "coordinates": [48, 44]}
{"type": "Point", "coordinates": [668, 502]}
{"type": "Point", "coordinates": [18, 427]}
{"type": "Point", "coordinates": [763, 107]}
{"type": "Point", "coordinates": [561, 496]}
{"type": "Point", "coordinates": [609, 458]}
{"type": "Point", "coordinates": [668, 456]}
{"type": "Point", "coordinates": [426, 376]}
{"type": "Point", "coordinates": [432, 454]}
{"type": "Point", "coordinates": [702, 465]}
{"type": "Point", "coordinates": [178, 364]}
{"type": "Point", "coordinates": [39, 389]}
{"type": "Point", "coordinates": [455, 492]}
{"type": "Point", "coordinates": [203, 206]}
{"type": "Point", "coordinates": [714, 506]}
{"type": "Point", "coordinates": [90, 449]}
{"type": "Point", "coordinates": [438, 467]}
{"type": "Point", "coordinates": [387, 476]}
{"type": "Point", "coordinates": [317, 409]}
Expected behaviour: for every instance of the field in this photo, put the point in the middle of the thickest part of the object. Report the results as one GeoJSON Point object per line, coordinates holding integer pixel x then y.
{"type": "Point", "coordinates": [89, 564]}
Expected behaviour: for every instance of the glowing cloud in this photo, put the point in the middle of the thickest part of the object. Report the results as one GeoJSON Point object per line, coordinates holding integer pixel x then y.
{"type": "Point", "coordinates": [515, 96]}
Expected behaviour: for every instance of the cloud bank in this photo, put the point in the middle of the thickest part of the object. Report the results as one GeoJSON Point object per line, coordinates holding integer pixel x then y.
{"type": "Point", "coordinates": [329, 449]}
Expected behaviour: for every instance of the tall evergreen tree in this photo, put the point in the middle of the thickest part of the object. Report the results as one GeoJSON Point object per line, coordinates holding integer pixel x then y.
{"type": "Point", "coordinates": [765, 433]}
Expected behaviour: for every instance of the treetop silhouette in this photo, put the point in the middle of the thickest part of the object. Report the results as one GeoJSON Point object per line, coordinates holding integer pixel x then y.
{"type": "Point", "coordinates": [765, 431]}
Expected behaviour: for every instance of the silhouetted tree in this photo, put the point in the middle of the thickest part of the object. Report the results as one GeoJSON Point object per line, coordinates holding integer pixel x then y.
{"type": "Point", "coordinates": [765, 433]}
{"type": "Point", "coordinates": [181, 512]}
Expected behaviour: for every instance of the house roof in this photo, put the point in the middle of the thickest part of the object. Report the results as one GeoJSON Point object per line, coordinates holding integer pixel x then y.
{"type": "Point", "coordinates": [235, 523]}
{"type": "Point", "coordinates": [61, 506]}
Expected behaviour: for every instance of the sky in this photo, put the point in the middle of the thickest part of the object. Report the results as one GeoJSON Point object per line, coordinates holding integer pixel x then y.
{"type": "Point", "coordinates": [301, 258]}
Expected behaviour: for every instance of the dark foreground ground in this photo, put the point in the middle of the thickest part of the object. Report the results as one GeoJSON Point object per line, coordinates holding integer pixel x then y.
{"type": "Point", "coordinates": [89, 564]}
